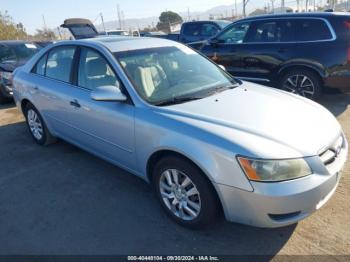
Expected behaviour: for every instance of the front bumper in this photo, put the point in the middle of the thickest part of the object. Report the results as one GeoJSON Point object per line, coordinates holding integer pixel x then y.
{"type": "Point", "coordinates": [282, 203]}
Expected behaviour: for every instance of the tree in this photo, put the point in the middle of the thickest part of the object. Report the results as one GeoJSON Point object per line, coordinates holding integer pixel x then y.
{"type": "Point", "coordinates": [9, 30]}
{"type": "Point", "coordinates": [244, 3]}
{"type": "Point", "coordinates": [166, 19]}
{"type": "Point", "coordinates": [44, 35]}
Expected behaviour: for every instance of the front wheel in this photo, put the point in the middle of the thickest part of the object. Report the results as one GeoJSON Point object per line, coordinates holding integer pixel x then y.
{"type": "Point", "coordinates": [184, 193]}
{"type": "Point", "coordinates": [302, 82]}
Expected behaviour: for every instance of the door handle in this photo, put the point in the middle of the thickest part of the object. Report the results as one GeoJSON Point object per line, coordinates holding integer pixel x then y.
{"type": "Point", "coordinates": [36, 88]}
{"type": "Point", "coordinates": [75, 103]}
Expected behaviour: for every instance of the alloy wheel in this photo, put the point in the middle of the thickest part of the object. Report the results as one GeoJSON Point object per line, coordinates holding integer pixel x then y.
{"type": "Point", "coordinates": [180, 194]}
{"type": "Point", "coordinates": [35, 124]}
{"type": "Point", "coordinates": [301, 85]}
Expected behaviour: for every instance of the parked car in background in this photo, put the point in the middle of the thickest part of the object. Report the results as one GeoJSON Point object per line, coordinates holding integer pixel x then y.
{"type": "Point", "coordinates": [43, 43]}
{"type": "Point", "coordinates": [201, 30]}
{"type": "Point", "coordinates": [301, 53]}
{"type": "Point", "coordinates": [118, 32]}
{"type": "Point", "coordinates": [197, 31]}
{"type": "Point", "coordinates": [205, 141]}
{"type": "Point", "coordinates": [12, 55]}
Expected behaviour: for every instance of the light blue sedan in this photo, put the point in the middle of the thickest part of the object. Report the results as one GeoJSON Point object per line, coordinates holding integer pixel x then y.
{"type": "Point", "coordinates": [205, 141]}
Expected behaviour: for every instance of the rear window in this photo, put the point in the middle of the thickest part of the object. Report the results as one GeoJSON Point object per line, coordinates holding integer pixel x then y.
{"type": "Point", "coordinates": [312, 30]}
{"type": "Point", "coordinates": [272, 31]}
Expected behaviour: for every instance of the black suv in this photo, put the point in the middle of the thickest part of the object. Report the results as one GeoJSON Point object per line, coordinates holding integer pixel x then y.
{"type": "Point", "coordinates": [300, 53]}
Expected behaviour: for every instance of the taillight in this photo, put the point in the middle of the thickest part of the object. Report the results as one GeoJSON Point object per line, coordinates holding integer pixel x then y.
{"type": "Point", "coordinates": [347, 24]}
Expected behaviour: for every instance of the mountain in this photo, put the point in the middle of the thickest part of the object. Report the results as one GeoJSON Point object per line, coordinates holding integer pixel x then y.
{"type": "Point", "coordinates": [216, 12]}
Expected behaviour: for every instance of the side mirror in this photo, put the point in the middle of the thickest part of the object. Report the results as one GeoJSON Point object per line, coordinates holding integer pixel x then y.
{"type": "Point", "coordinates": [222, 67]}
{"type": "Point", "coordinates": [108, 93]}
{"type": "Point", "coordinates": [214, 41]}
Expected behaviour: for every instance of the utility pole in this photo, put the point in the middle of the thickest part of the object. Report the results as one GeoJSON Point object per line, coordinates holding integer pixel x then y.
{"type": "Point", "coordinates": [307, 5]}
{"type": "Point", "coordinates": [119, 17]}
{"type": "Point", "coordinates": [236, 8]}
{"type": "Point", "coordinates": [123, 19]}
{"type": "Point", "coordinates": [282, 5]}
{"type": "Point", "coordinates": [103, 22]}
{"type": "Point", "coordinates": [298, 5]}
{"type": "Point", "coordinates": [273, 6]}
{"type": "Point", "coordinates": [59, 32]}
{"type": "Point", "coordinates": [188, 14]}
{"type": "Point", "coordinates": [244, 3]}
{"type": "Point", "coordinates": [45, 28]}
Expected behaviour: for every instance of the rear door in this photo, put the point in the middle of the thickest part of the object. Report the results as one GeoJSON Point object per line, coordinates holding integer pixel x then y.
{"type": "Point", "coordinates": [270, 43]}
{"type": "Point", "coordinates": [51, 91]}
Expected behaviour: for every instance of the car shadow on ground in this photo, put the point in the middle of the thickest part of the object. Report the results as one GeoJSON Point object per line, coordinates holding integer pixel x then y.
{"type": "Point", "coordinates": [7, 105]}
{"type": "Point", "coordinates": [335, 103]}
{"type": "Point", "coordinates": [62, 200]}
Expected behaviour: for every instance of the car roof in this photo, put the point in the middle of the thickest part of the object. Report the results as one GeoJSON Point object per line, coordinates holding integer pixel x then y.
{"type": "Point", "coordinates": [293, 15]}
{"type": "Point", "coordinates": [121, 44]}
{"type": "Point", "coordinates": [208, 21]}
{"type": "Point", "coordinates": [15, 42]}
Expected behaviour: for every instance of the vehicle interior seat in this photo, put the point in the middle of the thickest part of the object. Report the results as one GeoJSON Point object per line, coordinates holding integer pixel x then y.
{"type": "Point", "coordinates": [265, 35]}
{"type": "Point", "coordinates": [97, 74]}
{"type": "Point", "coordinates": [150, 79]}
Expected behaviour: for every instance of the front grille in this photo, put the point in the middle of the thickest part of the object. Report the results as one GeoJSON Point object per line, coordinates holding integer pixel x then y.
{"type": "Point", "coordinates": [330, 156]}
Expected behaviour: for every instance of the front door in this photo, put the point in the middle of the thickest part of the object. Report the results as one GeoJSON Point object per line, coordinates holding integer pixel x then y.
{"type": "Point", "coordinates": [225, 49]}
{"type": "Point", "coordinates": [268, 45]}
{"type": "Point", "coordinates": [106, 128]}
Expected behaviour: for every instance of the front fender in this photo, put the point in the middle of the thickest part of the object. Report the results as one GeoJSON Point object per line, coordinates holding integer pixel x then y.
{"type": "Point", "coordinates": [212, 155]}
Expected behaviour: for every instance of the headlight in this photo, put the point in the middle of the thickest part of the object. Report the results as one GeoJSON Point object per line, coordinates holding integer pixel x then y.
{"type": "Point", "coordinates": [274, 170]}
{"type": "Point", "coordinates": [5, 77]}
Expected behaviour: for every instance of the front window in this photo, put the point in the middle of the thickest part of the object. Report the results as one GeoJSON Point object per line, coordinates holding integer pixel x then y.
{"type": "Point", "coordinates": [235, 34]}
{"type": "Point", "coordinates": [94, 71]}
{"type": "Point", "coordinates": [170, 75]}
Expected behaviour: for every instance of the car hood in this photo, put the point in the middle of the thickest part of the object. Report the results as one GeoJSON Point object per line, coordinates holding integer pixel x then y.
{"type": "Point", "coordinates": [11, 65]}
{"type": "Point", "coordinates": [255, 116]}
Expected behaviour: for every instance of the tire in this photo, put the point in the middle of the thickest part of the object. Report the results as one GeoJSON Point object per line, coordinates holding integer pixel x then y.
{"type": "Point", "coordinates": [206, 208]}
{"type": "Point", "coordinates": [37, 126]}
{"type": "Point", "coordinates": [302, 82]}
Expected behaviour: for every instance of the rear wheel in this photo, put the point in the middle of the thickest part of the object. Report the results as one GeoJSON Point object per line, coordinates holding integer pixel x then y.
{"type": "Point", "coordinates": [37, 126]}
{"type": "Point", "coordinates": [302, 82]}
{"type": "Point", "coordinates": [184, 193]}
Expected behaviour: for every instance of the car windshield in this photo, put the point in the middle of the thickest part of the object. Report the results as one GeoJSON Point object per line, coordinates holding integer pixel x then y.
{"type": "Point", "coordinates": [169, 75]}
{"type": "Point", "coordinates": [17, 52]}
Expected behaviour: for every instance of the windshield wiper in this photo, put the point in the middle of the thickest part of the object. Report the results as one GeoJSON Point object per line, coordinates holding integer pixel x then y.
{"type": "Point", "coordinates": [220, 89]}
{"type": "Point", "coordinates": [178, 100]}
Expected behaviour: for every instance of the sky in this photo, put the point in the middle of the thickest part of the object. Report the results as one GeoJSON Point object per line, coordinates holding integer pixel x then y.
{"type": "Point", "coordinates": [30, 12]}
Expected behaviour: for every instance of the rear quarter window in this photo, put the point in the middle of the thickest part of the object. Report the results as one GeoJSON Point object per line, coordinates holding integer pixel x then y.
{"type": "Point", "coordinates": [312, 30]}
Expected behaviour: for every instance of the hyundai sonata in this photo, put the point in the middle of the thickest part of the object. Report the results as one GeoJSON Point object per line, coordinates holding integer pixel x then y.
{"type": "Point", "coordinates": [205, 141]}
